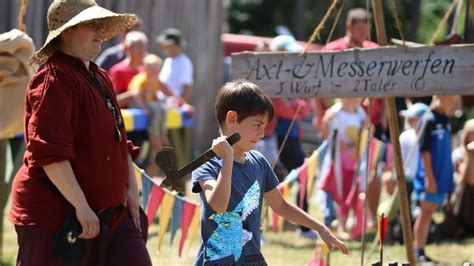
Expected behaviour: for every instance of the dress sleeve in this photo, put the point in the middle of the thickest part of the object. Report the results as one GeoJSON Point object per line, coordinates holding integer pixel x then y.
{"type": "Point", "coordinates": [49, 129]}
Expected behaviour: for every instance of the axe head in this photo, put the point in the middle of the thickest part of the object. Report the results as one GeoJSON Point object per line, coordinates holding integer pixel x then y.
{"type": "Point", "coordinates": [166, 160]}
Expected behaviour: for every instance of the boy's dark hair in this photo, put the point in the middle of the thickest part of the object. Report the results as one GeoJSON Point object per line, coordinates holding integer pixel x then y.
{"type": "Point", "coordinates": [243, 97]}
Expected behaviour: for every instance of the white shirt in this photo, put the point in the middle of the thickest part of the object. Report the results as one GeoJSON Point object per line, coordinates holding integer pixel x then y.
{"type": "Point", "coordinates": [407, 143]}
{"type": "Point", "coordinates": [176, 73]}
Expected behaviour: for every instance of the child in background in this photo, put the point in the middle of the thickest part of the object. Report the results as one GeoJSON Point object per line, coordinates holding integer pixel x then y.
{"type": "Point", "coordinates": [434, 178]}
{"type": "Point", "coordinates": [145, 87]}
{"type": "Point", "coordinates": [346, 118]}
{"type": "Point", "coordinates": [232, 186]}
{"type": "Point", "coordinates": [408, 142]}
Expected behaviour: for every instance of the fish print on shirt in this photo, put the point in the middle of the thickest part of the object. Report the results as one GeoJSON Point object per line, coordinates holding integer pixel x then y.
{"type": "Point", "coordinates": [230, 236]}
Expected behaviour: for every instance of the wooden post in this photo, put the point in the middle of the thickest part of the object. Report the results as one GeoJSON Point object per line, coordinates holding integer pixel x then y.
{"type": "Point", "coordinates": [394, 135]}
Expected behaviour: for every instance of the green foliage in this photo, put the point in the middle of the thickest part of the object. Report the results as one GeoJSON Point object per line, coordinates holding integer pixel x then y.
{"type": "Point", "coordinates": [260, 17]}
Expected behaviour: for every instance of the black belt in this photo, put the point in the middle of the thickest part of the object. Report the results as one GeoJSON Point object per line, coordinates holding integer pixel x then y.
{"type": "Point", "coordinates": [70, 250]}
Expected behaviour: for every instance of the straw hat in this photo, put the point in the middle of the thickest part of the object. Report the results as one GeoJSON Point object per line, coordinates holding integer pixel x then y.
{"type": "Point", "coordinates": [63, 14]}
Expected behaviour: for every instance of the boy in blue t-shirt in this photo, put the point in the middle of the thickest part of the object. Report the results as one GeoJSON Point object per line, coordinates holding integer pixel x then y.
{"type": "Point", "coordinates": [434, 178]}
{"type": "Point", "coordinates": [232, 186]}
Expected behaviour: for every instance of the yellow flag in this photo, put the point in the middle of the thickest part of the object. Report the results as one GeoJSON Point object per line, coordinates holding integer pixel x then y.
{"type": "Point", "coordinates": [194, 226]}
{"type": "Point", "coordinates": [363, 142]}
{"type": "Point", "coordinates": [285, 194]}
{"type": "Point", "coordinates": [138, 176]}
{"type": "Point", "coordinates": [127, 119]}
{"type": "Point", "coordinates": [311, 172]}
{"type": "Point", "coordinates": [165, 214]}
{"type": "Point", "coordinates": [173, 118]}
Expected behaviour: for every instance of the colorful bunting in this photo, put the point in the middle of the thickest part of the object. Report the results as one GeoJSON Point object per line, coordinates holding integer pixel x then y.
{"type": "Point", "coordinates": [186, 219]}
{"type": "Point", "coordinates": [138, 176]}
{"type": "Point", "coordinates": [302, 178]}
{"type": "Point", "coordinates": [176, 217]}
{"type": "Point", "coordinates": [311, 172]}
{"type": "Point", "coordinates": [165, 214]}
{"type": "Point", "coordinates": [156, 196]}
{"type": "Point", "coordinates": [147, 184]}
{"type": "Point", "coordinates": [194, 225]}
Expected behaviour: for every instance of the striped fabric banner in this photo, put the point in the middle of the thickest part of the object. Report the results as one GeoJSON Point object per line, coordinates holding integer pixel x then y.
{"type": "Point", "coordinates": [134, 119]}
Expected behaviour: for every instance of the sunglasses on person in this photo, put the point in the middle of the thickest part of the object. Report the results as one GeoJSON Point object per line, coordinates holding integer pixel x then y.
{"type": "Point", "coordinates": [96, 25]}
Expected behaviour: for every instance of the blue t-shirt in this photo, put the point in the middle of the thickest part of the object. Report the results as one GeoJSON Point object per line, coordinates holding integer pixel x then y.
{"type": "Point", "coordinates": [437, 140]}
{"type": "Point", "coordinates": [232, 237]}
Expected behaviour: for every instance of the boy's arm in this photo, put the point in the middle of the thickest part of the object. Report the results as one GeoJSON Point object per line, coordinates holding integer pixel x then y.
{"type": "Point", "coordinates": [430, 184]}
{"type": "Point", "coordinates": [298, 216]}
{"type": "Point", "coordinates": [217, 192]}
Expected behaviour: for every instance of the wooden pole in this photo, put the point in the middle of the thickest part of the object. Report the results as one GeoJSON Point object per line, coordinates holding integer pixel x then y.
{"type": "Point", "coordinates": [394, 135]}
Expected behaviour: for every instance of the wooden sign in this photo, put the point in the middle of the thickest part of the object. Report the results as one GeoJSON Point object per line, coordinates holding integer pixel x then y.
{"type": "Point", "coordinates": [380, 72]}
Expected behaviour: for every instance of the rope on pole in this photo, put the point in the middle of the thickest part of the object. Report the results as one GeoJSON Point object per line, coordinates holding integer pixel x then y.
{"type": "Point", "coordinates": [21, 15]}
{"type": "Point", "coordinates": [443, 22]}
{"type": "Point", "coordinates": [320, 26]}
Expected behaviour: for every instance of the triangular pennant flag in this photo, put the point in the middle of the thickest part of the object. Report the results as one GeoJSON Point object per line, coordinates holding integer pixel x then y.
{"type": "Point", "coordinates": [138, 176]}
{"type": "Point", "coordinates": [165, 214]}
{"type": "Point", "coordinates": [147, 184]}
{"type": "Point", "coordinates": [194, 226]}
{"type": "Point", "coordinates": [286, 193]}
{"type": "Point", "coordinates": [275, 221]}
{"type": "Point", "coordinates": [186, 219]}
{"type": "Point", "coordinates": [275, 216]}
{"type": "Point", "coordinates": [318, 257]}
{"type": "Point", "coordinates": [382, 222]}
{"type": "Point", "coordinates": [303, 179]}
{"type": "Point", "coordinates": [312, 165]}
{"type": "Point", "coordinates": [328, 183]}
{"type": "Point", "coordinates": [156, 196]}
{"type": "Point", "coordinates": [176, 217]}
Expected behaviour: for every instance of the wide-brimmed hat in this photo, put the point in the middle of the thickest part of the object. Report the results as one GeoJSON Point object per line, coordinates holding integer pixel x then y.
{"type": "Point", "coordinates": [63, 14]}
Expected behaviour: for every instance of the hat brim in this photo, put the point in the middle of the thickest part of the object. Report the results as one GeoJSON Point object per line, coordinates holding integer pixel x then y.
{"type": "Point", "coordinates": [115, 23]}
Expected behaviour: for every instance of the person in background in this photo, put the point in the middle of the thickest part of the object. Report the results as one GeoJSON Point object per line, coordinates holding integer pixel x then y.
{"type": "Point", "coordinates": [434, 178]}
{"type": "Point", "coordinates": [145, 87]}
{"type": "Point", "coordinates": [459, 219]}
{"type": "Point", "coordinates": [177, 75]}
{"type": "Point", "coordinates": [344, 122]}
{"type": "Point", "coordinates": [77, 168]}
{"type": "Point", "coordinates": [136, 45]}
{"type": "Point", "coordinates": [114, 54]}
{"type": "Point", "coordinates": [409, 142]}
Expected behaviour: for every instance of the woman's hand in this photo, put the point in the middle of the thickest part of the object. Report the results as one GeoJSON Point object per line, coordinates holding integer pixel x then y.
{"type": "Point", "coordinates": [89, 222]}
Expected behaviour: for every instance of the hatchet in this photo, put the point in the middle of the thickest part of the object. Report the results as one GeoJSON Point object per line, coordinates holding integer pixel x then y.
{"type": "Point", "coordinates": [166, 160]}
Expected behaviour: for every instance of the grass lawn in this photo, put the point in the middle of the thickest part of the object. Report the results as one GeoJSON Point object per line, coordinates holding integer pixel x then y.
{"type": "Point", "coordinates": [284, 248]}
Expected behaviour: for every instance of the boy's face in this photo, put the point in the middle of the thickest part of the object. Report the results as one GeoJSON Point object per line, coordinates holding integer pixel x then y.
{"type": "Point", "coordinates": [251, 130]}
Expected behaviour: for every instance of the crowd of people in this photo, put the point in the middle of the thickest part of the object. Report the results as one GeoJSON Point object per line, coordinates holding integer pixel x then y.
{"type": "Point", "coordinates": [79, 158]}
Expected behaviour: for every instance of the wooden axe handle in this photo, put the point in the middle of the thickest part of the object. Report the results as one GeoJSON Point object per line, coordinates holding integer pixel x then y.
{"type": "Point", "coordinates": [203, 158]}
